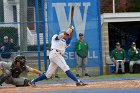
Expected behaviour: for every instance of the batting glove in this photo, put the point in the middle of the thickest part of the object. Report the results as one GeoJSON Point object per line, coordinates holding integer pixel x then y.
{"type": "Point", "coordinates": [70, 29]}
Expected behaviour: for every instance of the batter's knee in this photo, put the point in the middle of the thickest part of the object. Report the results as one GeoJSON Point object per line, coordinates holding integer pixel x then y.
{"type": "Point", "coordinates": [48, 75]}
{"type": "Point", "coordinates": [65, 68]}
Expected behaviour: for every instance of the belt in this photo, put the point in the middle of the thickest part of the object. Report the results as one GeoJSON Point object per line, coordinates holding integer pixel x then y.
{"type": "Point", "coordinates": [57, 51]}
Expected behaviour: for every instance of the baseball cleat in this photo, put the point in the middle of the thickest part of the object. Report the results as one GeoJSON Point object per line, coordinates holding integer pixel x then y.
{"type": "Point", "coordinates": [87, 75]}
{"type": "Point", "coordinates": [80, 83]}
{"type": "Point", "coordinates": [77, 75]}
{"type": "Point", "coordinates": [57, 77]}
{"type": "Point", "coordinates": [32, 84]}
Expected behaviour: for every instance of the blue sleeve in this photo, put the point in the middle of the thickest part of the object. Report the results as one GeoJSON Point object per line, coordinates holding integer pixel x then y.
{"type": "Point", "coordinates": [56, 38]}
{"type": "Point", "coordinates": [68, 41]}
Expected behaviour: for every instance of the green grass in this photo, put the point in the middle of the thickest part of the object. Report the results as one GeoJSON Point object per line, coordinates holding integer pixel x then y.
{"type": "Point", "coordinates": [73, 70]}
{"type": "Point", "coordinates": [60, 73]}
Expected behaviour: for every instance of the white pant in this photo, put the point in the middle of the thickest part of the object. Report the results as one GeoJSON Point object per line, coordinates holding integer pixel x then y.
{"type": "Point", "coordinates": [117, 66]}
{"type": "Point", "coordinates": [131, 64]}
{"type": "Point", "coordinates": [56, 72]}
{"type": "Point", "coordinates": [56, 60]}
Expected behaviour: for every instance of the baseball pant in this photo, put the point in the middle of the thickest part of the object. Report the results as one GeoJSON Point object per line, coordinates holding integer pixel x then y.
{"type": "Point", "coordinates": [56, 60]}
{"type": "Point", "coordinates": [122, 66]}
{"type": "Point", "coordinates": [56, 72]}
{"type": "Point", "coordinates": [131, 64]}
{"type": "Point", "coordinates": [81, 64]}
{"type": "Point", "coordinates": [15, 81]}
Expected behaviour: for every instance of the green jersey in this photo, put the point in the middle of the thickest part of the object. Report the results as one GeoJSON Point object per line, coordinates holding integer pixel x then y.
{"type": "Point", "coordinates": [133, 55]}
{"type": "Point", "coordinates": [118, 54]}
{"type": "Point", "coordinates": [82, 48]}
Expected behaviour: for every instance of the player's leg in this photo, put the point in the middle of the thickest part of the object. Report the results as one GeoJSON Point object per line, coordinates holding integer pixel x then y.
{"type": "Point", "coordinates": [60, 61]}
{"type": "Point", "coordinates": [4, 76]}
{"type": "Point", "coordinates": [21, 81]}
{"type": "Point", "coordinates": [117, 67]}
{"type": "Point", "coordinates": [85, 67]}
{"type": "Point", "coordinates": [56, 73]}
{"type": "Point", "coordinates": [51, 69]}
{"type": "Point", "coordinates": [122, 67]}
{"type": "Point", "coordinates": [131, 66]}
{"type": "Point", "coordinates": [78, 63]}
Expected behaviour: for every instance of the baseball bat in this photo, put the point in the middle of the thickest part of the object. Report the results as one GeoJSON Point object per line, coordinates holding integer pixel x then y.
{"type": "Point", "coordinates": [72, 13]}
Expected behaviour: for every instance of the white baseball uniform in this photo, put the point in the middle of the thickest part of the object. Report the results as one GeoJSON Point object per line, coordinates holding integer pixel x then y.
{"type": "Point", "coordinates": [56, 59]}
{"type": "Point", "coordinates": [58, 47]}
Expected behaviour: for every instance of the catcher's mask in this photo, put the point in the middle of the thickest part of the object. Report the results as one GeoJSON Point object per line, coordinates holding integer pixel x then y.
{"type": "Point", "coordinates": [21, 59]}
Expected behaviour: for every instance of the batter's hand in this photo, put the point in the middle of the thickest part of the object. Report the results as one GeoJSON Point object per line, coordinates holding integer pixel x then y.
{"type": "Point", "coordinates": [71, 26]}
{"type": "Point", "coordinates": [70, 29]}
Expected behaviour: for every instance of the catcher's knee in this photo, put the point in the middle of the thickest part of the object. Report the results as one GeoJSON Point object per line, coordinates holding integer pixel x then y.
{"type": "Point", "coordinates": [26, 83]}
{"type": "Point", "coordinates": [3, 77]}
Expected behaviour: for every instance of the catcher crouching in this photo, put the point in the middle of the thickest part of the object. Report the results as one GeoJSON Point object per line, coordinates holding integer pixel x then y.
{"type": "Point", "coordinates": [12, 72]}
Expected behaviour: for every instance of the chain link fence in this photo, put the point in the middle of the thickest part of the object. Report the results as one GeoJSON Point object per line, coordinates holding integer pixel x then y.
{"type": "Point", "coordinates": [22, 30]}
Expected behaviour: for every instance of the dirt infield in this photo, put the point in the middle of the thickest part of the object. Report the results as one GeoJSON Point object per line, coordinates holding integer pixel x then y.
{"type": "Point", "coordinates": [121, 84]}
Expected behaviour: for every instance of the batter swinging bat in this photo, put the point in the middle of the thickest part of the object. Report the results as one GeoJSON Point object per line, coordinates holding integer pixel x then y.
{"type": "Point", "coordinates": [72, 13]}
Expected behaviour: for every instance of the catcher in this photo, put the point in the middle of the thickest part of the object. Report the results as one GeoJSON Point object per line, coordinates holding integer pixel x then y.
{"type": "Point", "coordinates": [12, 72]}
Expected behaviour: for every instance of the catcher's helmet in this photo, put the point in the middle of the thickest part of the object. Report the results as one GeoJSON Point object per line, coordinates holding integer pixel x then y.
{"type": "Point", "coordinates": [21, 59]}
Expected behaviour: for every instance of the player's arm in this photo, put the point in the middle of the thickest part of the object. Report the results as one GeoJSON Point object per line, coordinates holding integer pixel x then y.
{"type": "Point", "coordinates": [131, 53]}
{"type": "Point", "coordinates": [68, 31]}
{"type": "Point", "coordinates": [124, 54]}
{"type": "Point", "coordinates": [87, 46]}
{"type": "Point", "coordinates": [138, 52]}
{"type": "Point", "coordinates": [112, 57]}
{"type": "Point", "coordinates": [58, 37]}
{"type": "Point", "coordinates": [34, 70]}
{"type": "Point", "coordinates": [69, 39]}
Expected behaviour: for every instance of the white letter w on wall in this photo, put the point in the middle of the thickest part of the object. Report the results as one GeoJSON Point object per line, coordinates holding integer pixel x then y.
{"type": "Point", "coordinates": [79, 17]}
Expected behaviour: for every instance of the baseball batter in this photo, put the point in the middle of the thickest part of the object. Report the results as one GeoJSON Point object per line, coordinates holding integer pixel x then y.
{"type": "Point", "coordinates": [58, 45]}
{"type": "Point", "coordinates": [12, 72]}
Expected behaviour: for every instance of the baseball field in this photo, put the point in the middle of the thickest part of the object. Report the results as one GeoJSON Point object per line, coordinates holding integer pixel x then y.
{"type": "Point", "coordinates": [127, 83]}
